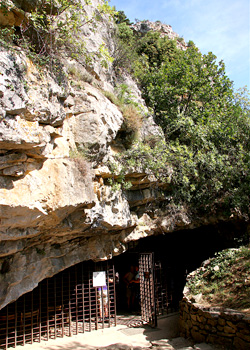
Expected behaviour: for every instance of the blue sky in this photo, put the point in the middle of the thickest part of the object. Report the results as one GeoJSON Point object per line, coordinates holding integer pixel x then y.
{"type": "Point", "coordinates": [220, 26]}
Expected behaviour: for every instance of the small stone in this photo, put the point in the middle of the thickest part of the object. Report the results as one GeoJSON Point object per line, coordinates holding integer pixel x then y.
{"type": "Point", "coordinates": [221, 322]}
{"type": "Point", "coordinates": [203, 346]}
{"type": "Point", "coordinates": [16, 170]}
{"type": "Point", "coordinates": [9, 159]}
{"type": "Point", "coordinates": [240, 344]}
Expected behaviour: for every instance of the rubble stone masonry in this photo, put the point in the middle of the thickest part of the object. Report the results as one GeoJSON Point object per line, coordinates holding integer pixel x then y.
{"type": "Point", "coordinates": [215, 325]}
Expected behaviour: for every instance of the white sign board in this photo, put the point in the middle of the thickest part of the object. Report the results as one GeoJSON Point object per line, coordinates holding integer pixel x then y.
{"type": "Point", "coordinates": [99, 279]}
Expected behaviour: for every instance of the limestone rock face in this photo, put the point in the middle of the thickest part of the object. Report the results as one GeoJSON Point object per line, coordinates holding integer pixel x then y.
{"type": "Point", "coordinates": [97, 127]}
{"type": "Point", "coordinates": [164, 30]}
{"type": "Point", "coordinates": [53, 211]}
{"type": "Point", "coordinates": [13, 95]}
{"type": "Point", "coordinates": [11, 15]}
{"type": "Point", "coordinates": [47, 188]}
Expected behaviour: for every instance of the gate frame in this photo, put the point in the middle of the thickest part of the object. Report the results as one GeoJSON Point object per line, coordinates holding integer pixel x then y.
{"type": "Point", "coordinates": [147, 288]}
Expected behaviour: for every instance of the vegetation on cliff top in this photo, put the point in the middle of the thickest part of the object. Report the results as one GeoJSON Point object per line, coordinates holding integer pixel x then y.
{"type": "Point", "coordinates": [223, 280]}
{"type": "Point", "coordinates": [205, 122]}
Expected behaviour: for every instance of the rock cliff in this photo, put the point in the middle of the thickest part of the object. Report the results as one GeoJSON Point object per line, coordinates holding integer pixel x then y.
{"type": "Point", "coordinates": [56, 141]}
{"type": "Point", "coordinates": [164, 30]}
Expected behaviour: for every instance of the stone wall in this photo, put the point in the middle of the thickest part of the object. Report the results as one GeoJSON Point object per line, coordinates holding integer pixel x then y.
{"type": "Point", "coordinates": [215, 325]}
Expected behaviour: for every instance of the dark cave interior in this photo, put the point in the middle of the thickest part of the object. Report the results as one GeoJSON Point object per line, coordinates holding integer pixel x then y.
{"type": "Point", "coordinates": [180, 253]}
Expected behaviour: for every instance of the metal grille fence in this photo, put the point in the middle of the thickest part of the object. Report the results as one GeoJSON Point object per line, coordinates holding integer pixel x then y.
{"type": "Point", "coordinates": [64, 305]}
{"type": "Point", "coordinates": [147, 288]}
{"type": "Point", "coordinates": [163, 291]}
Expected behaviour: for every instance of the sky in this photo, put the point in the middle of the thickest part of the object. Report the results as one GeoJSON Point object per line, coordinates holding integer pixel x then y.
{"type": "Point", "coordinates": [220, 26]}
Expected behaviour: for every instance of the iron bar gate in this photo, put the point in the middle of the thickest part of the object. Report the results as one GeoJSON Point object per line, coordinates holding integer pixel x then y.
{"type": "Point", "coordinates": [163, 290]}
{"type": "Point", "coordinates": [64, 305]}
{"type": "Point", "coordinates": [156, 292]}
{"type": "Point", "coordinates": [147, 289]}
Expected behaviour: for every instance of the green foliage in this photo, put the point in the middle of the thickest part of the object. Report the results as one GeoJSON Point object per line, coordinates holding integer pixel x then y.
{"type": "Point", "coordinates": [112, 97]}
{"type": "Point", "coordinates": [136, 52]}
{"type": "Point", "coordinates": [242, 101]}
{"type": "Point", "coordinates": [124, 100]}
{"type": "Point", "coordinates": [124, 51]}
{"type": "Point", "coordinates": [224, 279]}
{"type": "Point", "coordinates": [191, 85]}
{"type": "Point", "coordinates": [7, 36]}
{"type": "Point", "coordinates": [206, 129]}
{"type": "Point", "coordinates": [104, 54]}
{"type": "Point", "coordinates": [120, 17]}
{"type": "Point", "coordinates": [118, 182]}
{"type": "Point", "coordinates": [53, 27]}
{"type": "Point", "coordinates": [142, 156]}
{"type": "Point", "coordinates": [157, 49]}
{"type": "Point", "coordinates": [126, 33]}
{"type": "Point", "coordinates": [206, 125]}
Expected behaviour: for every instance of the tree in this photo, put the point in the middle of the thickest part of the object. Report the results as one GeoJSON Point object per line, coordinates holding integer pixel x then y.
{"type": "Point", "coordinates": [124, 52]}
{"type": "Point", "coordinates": [189, 88]}
{"type": "Point", "coordinates": [206, 127]}
{"type": "Point", "coordinates": [120, 17]}
{"type": "Point", "coordinates": [156, 48]}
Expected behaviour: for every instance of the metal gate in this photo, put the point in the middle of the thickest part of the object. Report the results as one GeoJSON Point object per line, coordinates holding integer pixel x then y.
{"type": "Point", "coordinates": [163, 290]}
{"type": "Point", "coordinates": [147, 289]}
{"type": "Point", "coordinates": [63, 305]}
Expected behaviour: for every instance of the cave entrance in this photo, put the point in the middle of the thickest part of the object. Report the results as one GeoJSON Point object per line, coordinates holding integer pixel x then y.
{"type": "Point", "coordinates": [77, 300]}
{"type": "Point", "coordinates": [174, 256]}
{"type": "Point", "coordinates": [156, 293]}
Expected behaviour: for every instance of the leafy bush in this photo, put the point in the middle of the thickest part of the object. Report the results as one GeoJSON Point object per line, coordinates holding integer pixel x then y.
{"type": "Point", "coordinates": [224, 279]}
{"type": "Point", "coordinates": [206, 127]}
{"type": "Point", "coordinates": [120, 17]}
{"type": "Point", "coordinates": [124, 52]}
{"type": "Point", "coordinates": [206, 124]}
{"type": "Point", "coordinates": [157, 49]}
{"type": "Point", "coordinates": [133, 47]}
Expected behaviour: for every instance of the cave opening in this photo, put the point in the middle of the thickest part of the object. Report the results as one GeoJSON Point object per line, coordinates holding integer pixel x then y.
{"type": "Point", "coordinates": [71, 302]}
{"type": "Point", "coordinates": [176, 254]}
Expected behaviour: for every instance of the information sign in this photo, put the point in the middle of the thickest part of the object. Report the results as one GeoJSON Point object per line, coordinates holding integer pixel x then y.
{"type": "Point", "coordinates": [99, 279]}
